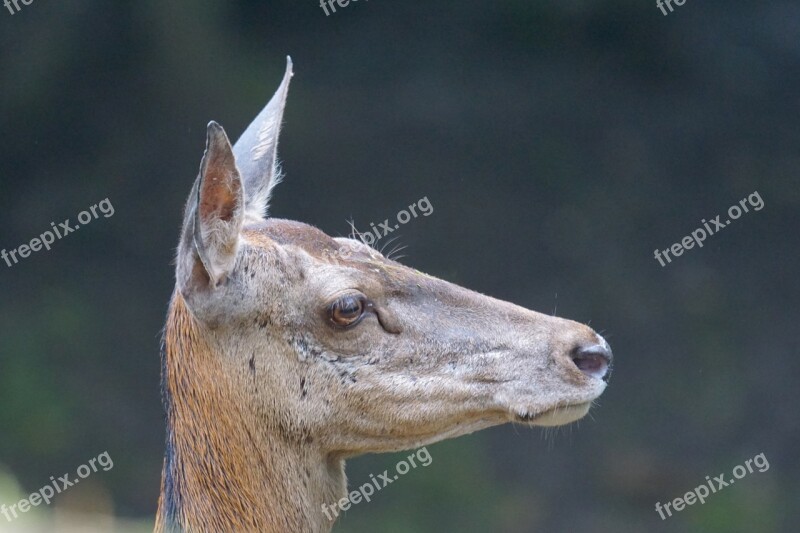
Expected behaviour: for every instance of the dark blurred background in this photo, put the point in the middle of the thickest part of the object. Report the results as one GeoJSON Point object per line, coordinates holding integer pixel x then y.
{"type": "Point", "coordinates": [559, 141]}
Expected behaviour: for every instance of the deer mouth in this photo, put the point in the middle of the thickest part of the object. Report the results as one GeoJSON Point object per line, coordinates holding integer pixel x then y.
{"type": "Point", "coordinates": [557, 416]}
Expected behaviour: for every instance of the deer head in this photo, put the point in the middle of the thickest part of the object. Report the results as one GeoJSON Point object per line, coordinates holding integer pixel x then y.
{"type": "Point", "coordinates": [284, 357]}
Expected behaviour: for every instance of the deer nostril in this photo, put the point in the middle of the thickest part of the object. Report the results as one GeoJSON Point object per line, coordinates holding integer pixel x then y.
{"type": "Point", "coordinates": [594, 361]}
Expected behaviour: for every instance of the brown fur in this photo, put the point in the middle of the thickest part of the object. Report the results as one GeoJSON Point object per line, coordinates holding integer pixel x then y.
{"type": "Point", "coordinates": [225, 472]}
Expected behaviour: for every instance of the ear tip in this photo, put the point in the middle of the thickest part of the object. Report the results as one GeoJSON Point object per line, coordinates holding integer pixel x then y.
{"type": "Point", "coordinates": [289, 65]}
{"type": "Point", "coordinates": [215, 132]}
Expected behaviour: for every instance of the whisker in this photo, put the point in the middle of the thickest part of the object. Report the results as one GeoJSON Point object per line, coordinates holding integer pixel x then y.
{"type": "Point", "coordinates": [357, 235]}
{"type": "Point", "coordinates": [396, 249]}
{"type": "Point", "coordinates": [388, 242]}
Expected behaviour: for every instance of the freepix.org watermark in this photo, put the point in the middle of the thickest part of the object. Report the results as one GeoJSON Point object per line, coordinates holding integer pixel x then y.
{"type": "Point", "coordinates": [16, 9]}
{"type": "Point", "coordinates": [698, 236]}
{"type": "Point", "coordinates": [56, 486]}
{"type": "Point", "coordinates": [62, 230]}
{"type": "Point", "coordinates": [712, 486]}
{"type": "Point", "coordinates": [376, 233]}
{"type": "Point", "coordinates": [668, 3]}
{"type": "Point", "coordinates": [366, 490]}
{"type": "Point", "coordinates": [327, 5]}
{"type": "Point", "coordinates": [403, 217]}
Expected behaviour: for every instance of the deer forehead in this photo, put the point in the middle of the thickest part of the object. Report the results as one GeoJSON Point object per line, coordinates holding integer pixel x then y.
{"type": "Point", "coordinates": [302, 248]}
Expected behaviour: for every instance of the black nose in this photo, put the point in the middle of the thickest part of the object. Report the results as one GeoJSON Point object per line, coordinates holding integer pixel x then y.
{"type": "Point", "coordinates": [595, 361]}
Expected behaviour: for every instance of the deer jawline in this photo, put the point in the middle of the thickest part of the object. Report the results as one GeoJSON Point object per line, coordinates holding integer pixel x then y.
{"type": "Point", "coordinates": [558, 416]}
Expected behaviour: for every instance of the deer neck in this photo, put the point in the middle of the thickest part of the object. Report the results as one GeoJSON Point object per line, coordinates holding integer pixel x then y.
{"type": "Point", "coordinates": [225, 467]}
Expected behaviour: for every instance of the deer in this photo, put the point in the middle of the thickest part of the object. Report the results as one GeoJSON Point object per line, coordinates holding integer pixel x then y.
{"type": "Point", "coordinates": [282, 358]}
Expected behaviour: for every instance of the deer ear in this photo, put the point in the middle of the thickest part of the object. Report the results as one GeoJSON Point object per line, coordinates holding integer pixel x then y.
{"type": "Point", "coordinates": [256, 151]}
{"type": "Point", "coordinates": [214, 215]}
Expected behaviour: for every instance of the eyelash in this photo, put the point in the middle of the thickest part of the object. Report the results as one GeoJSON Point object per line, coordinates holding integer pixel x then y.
{"type": "Point", "coordinates": [344, 302]}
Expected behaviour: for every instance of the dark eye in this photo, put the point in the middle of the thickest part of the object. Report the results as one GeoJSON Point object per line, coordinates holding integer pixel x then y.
{"type": "Point", "coordinates": [346, 311]}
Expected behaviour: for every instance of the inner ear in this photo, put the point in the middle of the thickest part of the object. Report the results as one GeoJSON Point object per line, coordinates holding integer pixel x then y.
{"type": "Point", "coordinates": [220, 207]}
{"type": "Point", "coordinates": [221, 189]}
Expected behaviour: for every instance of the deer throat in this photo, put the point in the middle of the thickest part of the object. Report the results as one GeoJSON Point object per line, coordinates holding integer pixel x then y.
{"type": "Point", "coordinates": [223, 471]}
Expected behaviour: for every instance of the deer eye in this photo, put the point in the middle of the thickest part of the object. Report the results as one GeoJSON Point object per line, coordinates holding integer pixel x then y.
{"type": "Point", "coordinates": [347, 311]}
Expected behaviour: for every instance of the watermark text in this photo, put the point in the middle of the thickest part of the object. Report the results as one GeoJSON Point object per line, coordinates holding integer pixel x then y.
{"type": "Point", "coordinates": [56, 486]}
{"type": "Point", "coordinates": [365, 491]}
{"type": "Point", "coordinates": [698, 236]}
{"type": "Point", "coordinates": [62, 230]}
{"type": "Point", "coordinates": [711, 486]}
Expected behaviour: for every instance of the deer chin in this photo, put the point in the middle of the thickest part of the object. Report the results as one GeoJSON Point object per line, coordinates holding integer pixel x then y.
{"type": "Point", "coordinates": [557, 416]}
